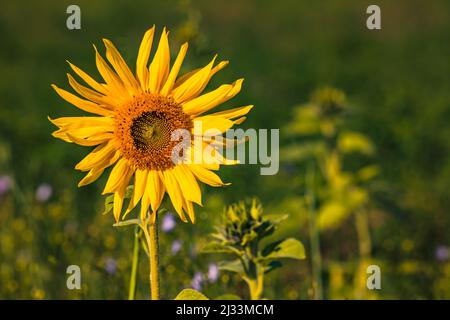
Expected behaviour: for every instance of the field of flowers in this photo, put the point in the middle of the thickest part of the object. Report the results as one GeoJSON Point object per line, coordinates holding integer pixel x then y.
{"type": "Point", "coordinates": [364, 153]}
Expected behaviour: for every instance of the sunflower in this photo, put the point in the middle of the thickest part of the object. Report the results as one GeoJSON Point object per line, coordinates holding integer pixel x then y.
{"type": "Point", "coordinates": [133, 119]}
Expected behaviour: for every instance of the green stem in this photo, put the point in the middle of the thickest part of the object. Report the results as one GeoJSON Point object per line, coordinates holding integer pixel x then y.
{"type": "Point", "coordinates": [153, 246]}
{"type": "Point", "coordinates": [256, 286]}
{"type": "Point", "coordinates": [314, 235]}
{"type": "Point", "coordinates": [134, 265]}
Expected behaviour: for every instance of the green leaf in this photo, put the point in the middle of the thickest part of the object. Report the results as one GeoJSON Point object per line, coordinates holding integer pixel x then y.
{"type": "Point", "coordinates": [232, 266]}
{"type": "Point", "coordinates": [228, 296]}
{"type": "Point", "coordinates": [127, 223]}
{"type": "Point", "coordinates": [109, 204]}
{"type": "Point", "coordinates": [190, 294]}
{"type": "Point", "coordinates": [290, 248]}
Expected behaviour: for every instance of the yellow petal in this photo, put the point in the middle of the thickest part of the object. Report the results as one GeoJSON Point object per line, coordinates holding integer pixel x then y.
{"type": "Point", "coordinates": [233, 113]}
{"type": "Point", "coordinates": [92, 175]}
{"type": "Point", "coordinates": [142, 59]}
{"type": "Point", "coordinates": [145, 203]}
{"type": "Point", "coordinates": [159, 68]}
{"type": "Point", "coordinates": [91, 94]}
{"type": "Point", "coordinates": [115, 58]}
{"type": "Point", "coordinates": [118, 202]}
{"type": "Point", "coordinates": [212, 99]}
{"type": "Point", "coordinates": [119, 176]}
{"type": "Point", "coordinates": [189, 208]}
{"type": "Point", "coordinates": [82, 104]}
{"type": "Point", "coordinates": [81, 122]}
{"type": "Point", "coordinates": [101, 153]}
{"type": "Point", "coordinates": [89, 80]}
{"type": "Point", "coordinates": [174, 192]}
{"type": "Point", "coordinates": [193, 85]}
{"type": "Point", "coordinates": [212, 125]}
{"type": "Point", "coordinates": [186, 76]}
{"type": "Point", "coordinates": [140, 181]}
{"type": "Point", "coordinates": [113, 82]}
{"type": "Point", "coordinates": [156, 190]}
{"type": "Point", "coordinates": [168, 86]}
{"type": "Point", "coordinates": [90, 141]}
{"type": "Point", "coordinates": [206, 176]}
{"type": "Point", "coordinates": [188, 184]}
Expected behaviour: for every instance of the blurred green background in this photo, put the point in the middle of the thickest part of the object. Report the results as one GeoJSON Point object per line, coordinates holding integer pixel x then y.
{"type": "Point", "coordinates": [397, 83]}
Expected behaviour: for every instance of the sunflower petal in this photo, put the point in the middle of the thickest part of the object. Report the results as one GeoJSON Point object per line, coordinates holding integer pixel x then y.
{"type": "Point", "coordinates": [90, 94]}
{"type": "Point", "coordinates": [91, 176]}
{"type": "Point", "coordinates": [189, 208]}
{"type": "Point", "coordinates": [173, 189]}
{"type": "Point", "coordinates": [157, 190]}
{"type": "Point", "coordinates": [119, 176]}
{"type": "Point", "coordinates": [182, 79]}
{"type": "Point", "coordinates": [115, 58]}
{"type": "Point", "coordinates": [194, 84]}
{"type": "Point", "coordinates": [88, 79]}
{"type": "Point", "coordinates": [82, 104]}
{"type": "Point", "coordinates": [211, 125]}
{"type": "Point", "coordinates": [100, 154]}
{"type": "Point", "coordinates": [140, 181]}
{"type": "Point", "coordinates": [206, 176]}
{"type": "Point", "coordinates": [212, 99]}
{"type": "Point", "coordinates": [118, 203]}
{"type": "Point", "coordinates": [233, 113]}
{"type": "Point", "coordinates": [188, 184]}
{"type": "Point", "coordinates": [168, 86]}
{"type": "Point", "coordinates": [142, 59]}
{"type": "Point", "coordinates": [159, 68]}
{"type": "Point", "coordinates": [113, 82]}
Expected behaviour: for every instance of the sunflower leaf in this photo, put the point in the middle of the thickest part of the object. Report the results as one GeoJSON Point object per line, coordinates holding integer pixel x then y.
{"type": "Point", "coordinates": [127, 223]}
{"type": "Point", "coordinates": [290, 248]}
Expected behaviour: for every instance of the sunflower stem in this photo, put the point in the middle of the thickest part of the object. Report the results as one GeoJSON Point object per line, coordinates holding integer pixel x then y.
{"type": "Point", "coordinates": [134, 265]}
{"type": "Point", "coordinates": [153, 246]}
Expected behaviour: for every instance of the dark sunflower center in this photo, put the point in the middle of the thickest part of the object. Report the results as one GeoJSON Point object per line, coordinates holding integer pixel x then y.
{"type": "Point", "coordinates": [151, 130]}
{"type": "Point", "coordinates": [144, 128]}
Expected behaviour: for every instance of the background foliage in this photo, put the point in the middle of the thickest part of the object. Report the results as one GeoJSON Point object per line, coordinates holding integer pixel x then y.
{"type": "Point", "coordinates": [397, 84]}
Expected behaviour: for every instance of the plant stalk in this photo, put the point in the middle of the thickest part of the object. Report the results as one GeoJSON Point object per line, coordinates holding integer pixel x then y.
{"type": "Point", "coordinates": [151, 236]}
{"type": "Point", "coordinates": [134, 265]}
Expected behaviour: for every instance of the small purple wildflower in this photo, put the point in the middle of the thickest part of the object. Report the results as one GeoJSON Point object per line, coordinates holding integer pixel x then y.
{"type": "Point", "coordinates": [213, 272]}
{"type": "Point", "coordinates": [5, 184]}
{"type": "Point", "coordinates": [43, 192]}
{"type": "Point", "coordinates": [176, 246]}
{"type": "Point", "coordinates": [442, 253]}
{"type": "Point", "coordinates": [110, 266]}
{"type": "Point", "coordinates": [168, 222]}
{"type": "Point", "coordinates": [197, 280]}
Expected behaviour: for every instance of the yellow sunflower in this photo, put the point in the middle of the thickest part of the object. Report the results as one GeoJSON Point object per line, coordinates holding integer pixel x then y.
{"type": "Point", "coordinates": [134, 118]}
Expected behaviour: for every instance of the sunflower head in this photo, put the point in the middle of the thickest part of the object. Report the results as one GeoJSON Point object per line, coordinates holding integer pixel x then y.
{"type": "Point", "coordinates": [133, 118]}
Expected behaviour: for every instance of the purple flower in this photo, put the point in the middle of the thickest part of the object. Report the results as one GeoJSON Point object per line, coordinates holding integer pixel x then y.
{"type": "Point", "coordinates": [110, 266]}
{"type": "Point", "coordinates": [176, 246]}
{"type": "Point", "coordinates": [5, 184]}
{"type": "Point", "coordinates": [197, 280]}
{"type": "Point", "coordinates": [213, 272]}
{"type": "Point", "coordinates": [168, 222]}
{"type": "Point", "coordinates": [442, 253]}
{"type": "Point", "coordinates": [43, 192]}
